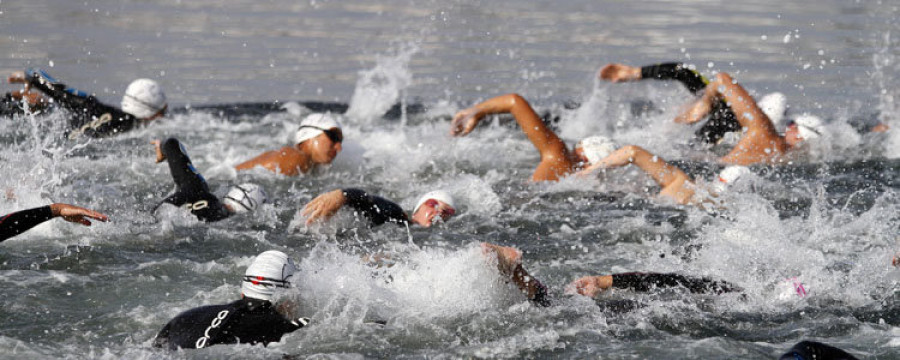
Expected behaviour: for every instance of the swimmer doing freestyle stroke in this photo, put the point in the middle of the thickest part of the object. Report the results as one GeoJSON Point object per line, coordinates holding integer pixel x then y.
{"type": "Point", "coordinates": [317, 142]}
{"type": "Point", "coordinates": [192, 191]}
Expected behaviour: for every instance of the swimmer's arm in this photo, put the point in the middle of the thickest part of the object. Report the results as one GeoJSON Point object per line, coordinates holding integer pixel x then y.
{"type": "Point", "coordinates": [554, 155]}
{"type": "Point", "coordinates": [697, 110]}
{"type": "Point", "coordinates": [748, 113]}
{"type": "Point", "coordinates": [661, 171]}
{"type": "Point", "coordinates": [19, 222]}
{"type": "Point", "coordinates": [377, 209]}
{"type": "Point", "coordinates": [691, 79]}
{"type": "Point", "coordinates": [183, 172]}
{"type": "Point", "coordinates": [288, 161]}
{"type": "Point", "coordinates": [57, 92]}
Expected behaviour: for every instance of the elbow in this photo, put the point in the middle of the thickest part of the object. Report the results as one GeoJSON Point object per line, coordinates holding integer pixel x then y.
{"type": "Point", "coordinates": [632, 150]}
{"type": "Point", "coordinates": [516, 99]}
{"type": "Point", "coordinates": [724, 78]}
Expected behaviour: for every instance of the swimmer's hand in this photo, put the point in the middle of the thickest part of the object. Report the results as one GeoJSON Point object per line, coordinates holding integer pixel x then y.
{"type": "Point", "coordinates": [17, 77]}
{"type": "Point", "coordinates": [507, 258]}
{"type": "Point", "coordinates": [465, 121]}
{"type": "Point", "coordinates": [588, 286]}
{"type": "Point", "coordinates": [75, 214]}
{"type": "Point", "coordinates": [619, 73]}
{"type": "Point", "coordinates": [160, 157]}
{"type": "Point", "coordinates": [323, 206]}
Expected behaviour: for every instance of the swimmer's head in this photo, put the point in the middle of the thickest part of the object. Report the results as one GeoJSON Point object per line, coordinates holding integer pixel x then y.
{"type": "Point", "coordinates": [320, 136]}
{"type": "Point", "coordinates": [244, 198]}
{"type": "Point", "coordinates": [594, 149]}
{"type": "Point", "coordinates": [270, 270]}
{"type": "Point", "coordinates": [435, 206]}
{"type": "Point", "coordinates": [729, 175]}
{"type": "Point", "coordinates": [773, 105]}
{"type": "Point", "coordinates": [804, 128]}
{"type": "Point", "coordinates": [144, 99]}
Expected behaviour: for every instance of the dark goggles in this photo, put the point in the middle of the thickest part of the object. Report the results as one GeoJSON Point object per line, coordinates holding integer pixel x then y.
{"type": "Point", "coordinates": [267, 282]}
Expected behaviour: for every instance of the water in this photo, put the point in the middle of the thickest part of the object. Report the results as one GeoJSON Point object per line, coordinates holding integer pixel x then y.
{"type": "Point", "coordinates": [829, 219]}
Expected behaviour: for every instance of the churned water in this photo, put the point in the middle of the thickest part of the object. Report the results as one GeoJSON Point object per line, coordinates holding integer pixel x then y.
{"type": "Point", "coordinates": [400, 70]}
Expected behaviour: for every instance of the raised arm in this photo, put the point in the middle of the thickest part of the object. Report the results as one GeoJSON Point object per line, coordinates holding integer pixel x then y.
{"type": "Point", "coordinates": [691, 79]}
{"type": "Point", "coordinates": [377, 209]}
{"type": "Point", "coordinates": [760, 142]}
{"type": "Point", "coordinates": [555, 157]}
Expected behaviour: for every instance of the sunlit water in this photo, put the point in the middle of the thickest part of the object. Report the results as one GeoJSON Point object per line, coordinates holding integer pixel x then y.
{"type": "Point", "coordinates": [830, 219]}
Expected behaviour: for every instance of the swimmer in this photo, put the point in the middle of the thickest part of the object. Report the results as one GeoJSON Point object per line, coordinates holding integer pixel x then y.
{"type": "Point", "coordinates": [721, 117]}
{"type": "Point", "coordinates": [19, 222]}
{"type": "Point", "coordinates": [316, 142]}
{"type": "Point", "coordinates": [556, 159]}
{"type": "Point", "coordinates": [432, 207]}
{"type": "Point", "coordinates": [251, 320]}
{"type": "Point", "coordinates": [811, 350]}
{"type": "Point", "coordinates": [192, 191]}
{"type": "Point", "coordinates": [144, 101]}
{"type": "Point", "coordinates": [591, 286]}
{"type": "Point", "coordinates": [676, 184]}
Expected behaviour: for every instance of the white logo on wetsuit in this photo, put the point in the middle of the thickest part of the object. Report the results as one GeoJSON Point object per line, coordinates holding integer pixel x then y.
{"type": "Point", "coordinates": [201, 342]}
{"type": "Point", "coordinates": [200, 205]}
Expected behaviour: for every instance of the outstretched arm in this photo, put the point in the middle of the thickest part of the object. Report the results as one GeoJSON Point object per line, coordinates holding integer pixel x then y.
{"type": "Point", "coordinates": [662, 172]}
{"type": "Point", "coordinates": [555, 161]}
{"type": "Point", "coordinates": [19, 222]}
{"type": "Point", "coordinates": [691, 79]}
{"type": "Point", "coordinates": [377, 209]}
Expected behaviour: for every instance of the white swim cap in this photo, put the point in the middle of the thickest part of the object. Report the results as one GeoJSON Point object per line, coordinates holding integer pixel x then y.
{"type": "Point", "coordinates": [596, 148]}
{"type": "Point", "coordinates": [809, 126]}
{"type": "Point", "coordinates": [774, 105]}
{"type": "Point", "coordinates": [245, 197]}
{"type": "Point", "coordinates": [270, 270]}
{"type": "Point", "coordinates": [315, 124]}
{"type": "Point", "coordinates": [143, 98]}
{"type": "Point", "coordinates": [438, 195]}
{"type": "Point", "coordinates": [730, 174]}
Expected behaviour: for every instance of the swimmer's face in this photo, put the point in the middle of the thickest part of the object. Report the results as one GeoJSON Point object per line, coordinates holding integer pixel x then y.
{"type": "Point", "coordinates": [579, 156]}
{"type": "Point", "coordinates": [792, 135]}
{"type": "Point", "coordinates": [325, 147]}
{"type": "Point", "coordinates": [433, 211]}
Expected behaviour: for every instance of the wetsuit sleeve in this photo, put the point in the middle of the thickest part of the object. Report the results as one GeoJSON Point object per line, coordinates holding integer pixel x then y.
{"type": "Point", "coordinates": [19, 222]}
{"type": "Point", "coordinates": [190, 186]}
{"type": "Point", "coordinates": [691, 79]}
{"type": "Point", "coordinates": [648, 281]}
{"type": "Point", "coordinates": [89, 115]}
{"type": "Point", "coordinates": [186, 177]}
{"type": "Point", "coordinates": [377, 209]}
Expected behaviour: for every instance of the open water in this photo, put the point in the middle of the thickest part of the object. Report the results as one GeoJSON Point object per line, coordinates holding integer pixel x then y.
{"type": "Point", "coordinates": [400, 69]}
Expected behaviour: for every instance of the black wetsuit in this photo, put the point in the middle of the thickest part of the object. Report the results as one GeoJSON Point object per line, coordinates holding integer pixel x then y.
{"type": "Point", "coordinates": [811, 350]}
{"type": "Point", "coordinates": [246, 321]}
{"type": "Point", "coordinates": [19, 222]}
{"type": "Point", "coordinates": [646, 281]}
{"type": "Point", "coordinates": [10, 106]}
{"type": "Point", "coordinates": [88, 115]}
{"type": "Point", "coordinates": [721, 118]}
{"type": "Point", "coordinates": [191, 189]}
{"type": "Point", "coordinates": [375, 208]}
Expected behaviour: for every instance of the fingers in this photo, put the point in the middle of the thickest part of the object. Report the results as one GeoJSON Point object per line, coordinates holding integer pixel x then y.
{"type": "Point", "coordinates": [606, 72]}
